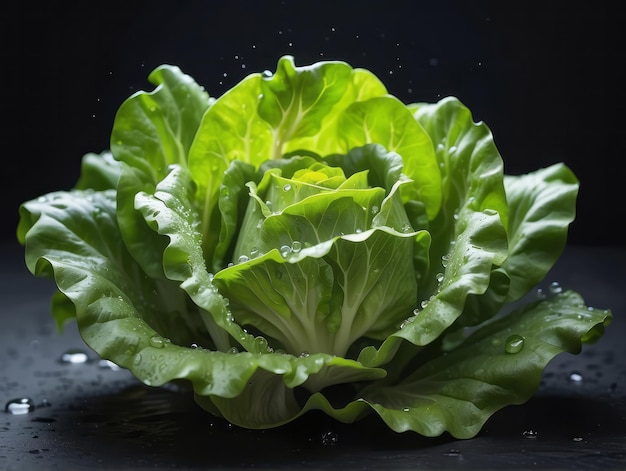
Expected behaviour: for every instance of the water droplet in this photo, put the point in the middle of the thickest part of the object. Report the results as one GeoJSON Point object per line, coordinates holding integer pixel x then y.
{"type": "Point", "coordinates": [20, 406]}
{"type": "Point", "coordinates": [243, 259]}
{"type": "Point", "coordinates": [108, 364]}
{"type": "Point", "coordinates": [375, 209]}
{"type": "Point", "coordinates": [285, 251]}
{"type": "Point", "coordinates": [575, 377]}
{"type": "Point", "coordinates": [330, 438]}
{"type": "Point", "coordinates": [157, 341]}
{"type": "Point", "coordinates": [530, 434]}
{"type": "Point", "coordinates": [439, 277]}
{"type": "Point", "coordinates": [555, 287]}
{"type": "Point", "coordinates": [514, 344]}
{"type": "Point", "coordinates": [296, 246]}
{"type": "Point", "coordinates": [577, 439]}
{"type": "Point", "coordinates": [445, 260]}
{"type": "Point", "coordinates": [74, 356]}
{"type": "Point", "coordinates": [409, 320]}
{"type": "Point", "coordinates": [261, 344]}
{"type": "Point", "coordinates": [233, 350]}
{"type": "Point", "coordinates": [452, 150]}
{"type": "Point", "coordinates": [287, 187]}
{"type": "Point", "coordinates": [541, 293]}
{"type": "Point", "coordinates": [304, 354]}
{"type": "Point", "coordinates": [453, 453]}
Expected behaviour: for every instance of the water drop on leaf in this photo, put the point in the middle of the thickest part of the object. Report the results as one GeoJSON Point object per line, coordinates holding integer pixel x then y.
{"type": "Point", "coordinates": [514, 344]}
{"type": "Point", "coordinates": [157, 341]}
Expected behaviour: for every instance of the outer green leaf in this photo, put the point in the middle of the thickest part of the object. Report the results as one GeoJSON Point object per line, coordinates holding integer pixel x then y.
{"type": "Point", "coordinates": [150, 132]}
{"type": "Point", "coordinates": [98, 172]}
{"type": "Point", "coordinates": [471, 166]}
{"type": "Point", "coordinates": [501, 364]}
{"type": "Point", "coordinates": [266, 402]}
{"type": "Point", "coordinates": [542, 205]}
{"type": "Point", "coordinates": [73, 237]}
{"type": "Point", "coordinates": [481, 245]}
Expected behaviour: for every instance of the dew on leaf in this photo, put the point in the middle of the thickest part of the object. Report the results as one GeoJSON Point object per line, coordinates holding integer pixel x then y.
{"type": "Point", "coordinates": [157, 341]}
{"type": "Point", "coordinates": [514, 344]}
{"type": "Point", "coordinates": [261, 344]}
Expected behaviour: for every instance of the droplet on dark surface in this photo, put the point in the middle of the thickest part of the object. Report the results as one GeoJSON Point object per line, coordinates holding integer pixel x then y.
{"type": "Point", "coordinates": [74, 356]}
{"type": "Point", "coordinates": [20, 406]}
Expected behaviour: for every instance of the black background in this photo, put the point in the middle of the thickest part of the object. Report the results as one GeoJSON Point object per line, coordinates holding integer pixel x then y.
{"type": "Point", "coordinates": [545, 76]}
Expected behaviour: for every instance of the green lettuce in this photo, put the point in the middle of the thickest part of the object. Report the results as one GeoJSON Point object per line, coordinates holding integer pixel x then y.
{"type": "Point", "coordinates": [307, 241]}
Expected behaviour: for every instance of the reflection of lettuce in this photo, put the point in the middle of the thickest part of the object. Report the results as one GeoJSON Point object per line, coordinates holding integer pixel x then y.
{"type": "Point", "coordinates": [307, 241]}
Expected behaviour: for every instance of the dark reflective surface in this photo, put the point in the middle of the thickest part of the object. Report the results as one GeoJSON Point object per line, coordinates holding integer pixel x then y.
{"type": "Point", "coordinates": [87, 415]}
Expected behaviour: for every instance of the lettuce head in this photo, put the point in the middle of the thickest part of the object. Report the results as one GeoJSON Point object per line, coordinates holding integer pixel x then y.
{"type": "Point", "coordinates": [307, 241]}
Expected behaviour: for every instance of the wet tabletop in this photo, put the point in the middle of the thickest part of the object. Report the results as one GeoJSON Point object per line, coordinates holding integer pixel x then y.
{"type": "Point", "coordinates": [69, 410]}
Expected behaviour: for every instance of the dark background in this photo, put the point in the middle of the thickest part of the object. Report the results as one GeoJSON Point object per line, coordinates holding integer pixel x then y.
{"type": "Point", "coordinates": [545, 76]}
